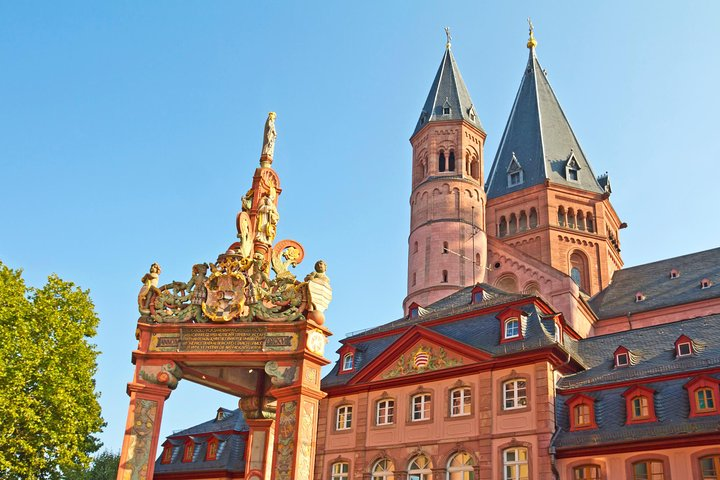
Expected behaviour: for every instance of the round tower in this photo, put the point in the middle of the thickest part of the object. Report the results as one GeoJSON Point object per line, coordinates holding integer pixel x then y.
{"type": "Point", "coordinates": [447, 246]}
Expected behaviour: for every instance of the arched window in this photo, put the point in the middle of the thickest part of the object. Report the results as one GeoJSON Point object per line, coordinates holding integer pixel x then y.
{"type": "Point", "coordinates": [508, 283]}
{"type": "Point", "coordinates": [384, 469]}
{"type": "Point", "coordinates": [475, 169]}
{"type": "Point", "coordinates": [451, 161]}
{"type": "Point", "coordinates": [513, 224]}
{"type": "Point", "coordinates": [571, 218]}
{"type": "Point", "coordinates": [414, 278]}
{"type": "Point", "coordinates": [580, 220]}
{"type": "Point", "coordinates": [445, 247]}
{"type": "Point", "coordinates": [502, 229]}
{"type": "Point", "coordinates": [522, 222]}
{"type": "Point", "coordinates": [579, 271]}
{"type": "Point", "coordinates": [460, 467]}
{"type": "Point", "coordinates": [531, 288]}
{"type": "Point", "coordinates": [347, 363]}
{"type": "Point", "coordinates": [340, 471]}
{"type": "Point", "coordinates": [460, 402]}
{"type": "Point", "coordinates": [514, 394]}
{"type": "Point", "coordinates": [648, 470]}
{"type": "Point", "coordinates": [385, 413]}
{"type": "Point", "coordinates": [586, 472]}
{"type": "Point", "coordinates": [533, 218]}
{"type": "Point", "coordinates": [589, 223]}
{"type": "Point", "coordinates": [420, 468]}
{"type": "Point", "coordinates": [710, 467]}
{"type": "Point", "coordinates": [441, 161]}
{"type": "Point", "coordinates": [444, 276]}
{"type": "Point", "coordinates": [512, 328]}
{"type": "Point", "coordinates": [561, 216]}
{"type": "Point", "coordinates": [515, 464]}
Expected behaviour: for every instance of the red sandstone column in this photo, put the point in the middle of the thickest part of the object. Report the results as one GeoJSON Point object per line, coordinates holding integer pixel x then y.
{"type": "Point", "coordinates": [260, 451]}
{"type": "Point", "coordinates": [137, 458]}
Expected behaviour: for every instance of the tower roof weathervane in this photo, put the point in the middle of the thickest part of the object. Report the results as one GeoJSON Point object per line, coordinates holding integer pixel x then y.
{"type": "Point", "coordinates": [449, 38]}
{"type": "Point", "coordinates": [532, 43]}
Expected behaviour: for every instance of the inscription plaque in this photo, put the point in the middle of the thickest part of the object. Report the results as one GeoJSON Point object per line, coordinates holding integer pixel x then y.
{"type": "Point", "coordinates": [222, 339]}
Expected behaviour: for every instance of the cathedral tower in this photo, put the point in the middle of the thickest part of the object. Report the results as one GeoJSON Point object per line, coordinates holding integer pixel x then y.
{"type": "Point", "coordinates": [543, 197]}
{"type": "Point", "coordinates": [447, 244]}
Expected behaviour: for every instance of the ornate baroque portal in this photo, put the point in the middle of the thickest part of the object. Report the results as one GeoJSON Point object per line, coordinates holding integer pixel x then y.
{"type": "Point", "coordinates": [238, 328]}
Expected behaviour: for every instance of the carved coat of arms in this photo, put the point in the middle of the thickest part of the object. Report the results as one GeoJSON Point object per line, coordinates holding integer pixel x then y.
{"type": "Point", "coordinates": [225, 292]}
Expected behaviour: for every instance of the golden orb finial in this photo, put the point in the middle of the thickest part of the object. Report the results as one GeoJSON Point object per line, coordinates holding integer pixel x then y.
{"type": "Point", "coordinates": [532, 43]}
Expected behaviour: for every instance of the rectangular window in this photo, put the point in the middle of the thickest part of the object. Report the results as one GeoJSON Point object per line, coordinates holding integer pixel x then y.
{"type": "Point", "coordinates": [515, 463]}
{"type": "Point", "coordinates": [582, 415]}
{"type": "Point", "coordinates": [640, 408]}
{"type": "Point", "coordinates": [340, 471]}
{"type": "Point", "coordinates": [651, 470]}
{"type": "Point", "coordinates": [684, 349]}
{"type": "Point", "coordinates": [512, 328]}
{"type": "Point", "coordinates": [385, 412]}
{"type": "Point", "coordinates": [421, 407]}
{"type": "Point", "coordinates": [705, 400]}
{"type": "Point", "coordinates": [460, 402]}
{"type": "Point", "coordinates": [514, 394]}
{"type": "Point", "coordinates": [621, 360]}
{"type": "Point", "coordinates": [344, 418]}
{"type": "Point", "coordinates": [587, 472]}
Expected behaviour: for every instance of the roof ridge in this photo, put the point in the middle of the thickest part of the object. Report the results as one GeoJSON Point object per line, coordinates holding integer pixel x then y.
{"type": "Point", "coordinates": [668, 259]}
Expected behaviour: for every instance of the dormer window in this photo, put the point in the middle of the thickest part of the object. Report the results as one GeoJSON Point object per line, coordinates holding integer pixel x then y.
{"type": "Point", "coordinates": [347, 362]}
{"type": "Point", "coordinates": [703, 392]}
{"type": "Point", "coordinates": [674, 273]}
{"type": "Point", "coordinates": [471, 113]}
{"type": "Point", "coordinates": [640, 405]}
{"type": "Point", "coordinates": [212, 449]}
{"type": "Point", "coordinates": [511, 324]}
{"type": "Point", "coordinates": [705, 283]}
{"type": "Point", "coordinates": [189, 451]}
{"type": "Point", "coordinates": [582, 412]}
{"type": "Point", "coordinates": [514, 172]}
{"type": "Point", "coordinates": [639, 297]}
{"type": "Point", "coordinates": [446, 107]}
{"type": "Point", "coordinates": [571, 168]}
{"type": "Point", "coordinates": [423, 117]}
{"type": "Point", "coordinates": [413, 310]}
{"type": "Point", "coordinates": [167, 454]}
{"type": "Point", "coordinates": [684, 347]}
{"type": "Point", "coordinates": [622, 360]}
{"type": "Point", "coordinates": [478, 294]}
{"type": "Point", "coordinates": [512, 328]}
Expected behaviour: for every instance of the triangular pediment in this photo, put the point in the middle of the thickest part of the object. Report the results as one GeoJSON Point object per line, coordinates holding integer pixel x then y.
{"type": "Point", "coordinates": [420, 350]}
{"type": "Point", "coordinates": [514, 164]}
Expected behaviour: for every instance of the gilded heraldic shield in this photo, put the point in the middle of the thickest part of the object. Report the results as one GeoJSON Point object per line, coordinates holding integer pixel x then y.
{"type": "Point", "coordinates": [225, 292]}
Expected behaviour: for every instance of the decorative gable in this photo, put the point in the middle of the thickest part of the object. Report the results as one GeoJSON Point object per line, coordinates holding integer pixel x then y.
{"type": "Point", "coordinates": [421, 359]}
{"type": "Point", "coordinates": [572, 168]}
{"type": "Point", "coordinates": [514, 172]}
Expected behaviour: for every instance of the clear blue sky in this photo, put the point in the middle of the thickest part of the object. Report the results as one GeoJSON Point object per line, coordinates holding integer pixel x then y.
{"type": "Point", "coordinates": [129, 131]}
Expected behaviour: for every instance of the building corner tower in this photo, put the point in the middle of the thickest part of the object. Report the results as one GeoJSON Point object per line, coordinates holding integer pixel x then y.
{"type": "Point", "coordinates": [447, 246]}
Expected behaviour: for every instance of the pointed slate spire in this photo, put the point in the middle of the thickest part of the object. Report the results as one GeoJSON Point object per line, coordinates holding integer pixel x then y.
{"type": "Point", "coordinates": [540, 137]}
{"type": "Point", "coordinates": [448, 98]}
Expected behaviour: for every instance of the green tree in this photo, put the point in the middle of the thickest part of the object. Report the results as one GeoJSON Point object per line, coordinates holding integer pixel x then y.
{"type": "Point", "coordinates": [49, 411]}
{"type": "Point", "coordinates": [104, 467]}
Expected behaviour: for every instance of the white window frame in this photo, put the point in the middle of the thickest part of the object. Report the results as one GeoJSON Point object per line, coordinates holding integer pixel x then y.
{"type": "Point", "coordinates": [421, 471]}
{"type": "Point", "coordinates": [338, 472]}
{"type": "Point", "coordinates": [464, 470]}
{"type": "Point", "coordinates": [424, 402]}
{"type": "Point", "coordinates": [347, 363]}
{"type": "Point", "coordinates": [385, 412]}
{"type": "Point", "coordinates": [680, 352]}
{"type": "Point", "coordinates": [516, 464]}
{"type": "Point", "coordinates": [506, 325]}
{"type": "Point", "coordinates": [513, 395]}
{"type": "Point", "coordinates": [622, 364]}
{"type": "Point", "coordinates": [383, 469]}
{"type": "Point", "coordinates": [463, 406]}
{"type": "Point", "coordinates": [343, 417]}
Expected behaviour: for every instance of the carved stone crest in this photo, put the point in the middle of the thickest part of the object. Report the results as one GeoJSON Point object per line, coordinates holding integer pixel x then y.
{"type": "Point", "coordinates": [225, 291]}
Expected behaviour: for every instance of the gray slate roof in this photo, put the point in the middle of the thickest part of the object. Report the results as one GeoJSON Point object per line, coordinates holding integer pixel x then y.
{"type": "Point", "coordinates": [540, 136]}
{"type": "Point", "coordinates": [231, 451]}
{"type": "Point", "coordinates": [671, 408]}
{"type": "Point", "coordinates": [448, 87]}
{"type": "Point", "coordinates": [653, 280]}
{"type": "Point", "coordinates": [481, 331]}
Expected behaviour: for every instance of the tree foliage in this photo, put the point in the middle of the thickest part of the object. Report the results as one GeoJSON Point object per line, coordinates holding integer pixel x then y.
{"type": "Point", "coordinates": [104, 467]}
{"type": "Point", "coordinates": [49, 411]}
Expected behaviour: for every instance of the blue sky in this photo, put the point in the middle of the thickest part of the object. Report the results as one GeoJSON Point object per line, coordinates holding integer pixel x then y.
{"type": "Point", "coordinates": [129, 131]}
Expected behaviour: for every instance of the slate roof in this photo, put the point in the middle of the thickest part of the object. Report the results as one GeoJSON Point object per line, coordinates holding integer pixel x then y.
{"type": "Point", "coordinates": [653, 280]}
{"type": "Point", "coordinates": [540, 137]}
{"type": "Point", "coordinates": [481, 331]}
{"type": "Point", "coordinates": [654, 347]}
{"type": "Point", "coordinates": [231, 450]}
{"type": "Point", "coordinates": [448, 88]}
{"type": "Point", "coordinates": [672, 409]}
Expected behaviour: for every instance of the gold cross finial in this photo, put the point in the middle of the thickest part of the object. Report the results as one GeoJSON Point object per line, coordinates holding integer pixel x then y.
{"type": "Point", "coordinates": [532, 43]}
{"type": "Point", "coordinates": [447, 34]}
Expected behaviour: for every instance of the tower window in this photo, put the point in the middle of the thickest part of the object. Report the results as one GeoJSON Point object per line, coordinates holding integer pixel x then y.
{"type": "Point", "coordinates": [445, 247]}
{"type": "Point", "coordinates": [571, 168]}
{"type": "Point", "coordinates": [444, 276]}
{"type": "Point", "coordinates": [451, 161]}
{"type": "Point", "coordinates": [572, 174]}
{"type": "Point", "coordinates": [514, 172]}
{"type": "Point", "coordinates": [533, 218]}
{"type": "Point", "coordinates": [441, 162]}
{"type": "Point", "coordinates": [561, 216]}
{"type": "Point", "coordinates": [515, 178]}
{"type": "Point", "coordinates": [502, 228]}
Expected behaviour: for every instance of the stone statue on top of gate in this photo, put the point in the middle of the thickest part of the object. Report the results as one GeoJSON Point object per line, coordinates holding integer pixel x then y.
{"type": "Point", "coordinates": [240, 286]}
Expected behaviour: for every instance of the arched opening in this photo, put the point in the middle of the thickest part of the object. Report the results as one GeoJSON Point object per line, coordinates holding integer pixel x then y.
{"type": "Point", "coordinates": [415, 247]}
{"type": "Point", "coordinates": [475, 169]}
{"type": "Point", "coordinates": [589, 223]}
{"type": "Point", "coordinates": [571, 218]}
{"type": "Point", "coordinates": [531, 288]}
{"type": "Point", "coordinates": [561, 216]}
{"type": "Point", "coordinates": [513, 224]}
{"type": "Point", "coordinates": [580, 220]}
{"type": "Point", "coordinates": [502, 228]}
{"type": "Point", "coordinates": [522, 222]}
{"type": "Point", "coordinates": [420, 468]}
{"type": "Point", "coordinates": [460, 467]}
{"type": "Point", "coordinates": [444, 276]}
{"type": "Point", "coordinates": [579, 271]}
{"type": "Point", "coordinates": [508, 283]}
{"type": "Point", "coordinates": [445, 247]}
{"type": "Point", "coordinates": [533, 218]}
{"type": "Point", "coordinates": [441, 161]}
{"type": "Point", "coordinates": [451, 161]}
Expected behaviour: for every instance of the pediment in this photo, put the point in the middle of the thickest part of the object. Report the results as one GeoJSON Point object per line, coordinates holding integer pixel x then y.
{"type": "Point", "coordinates": [419, 351]}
